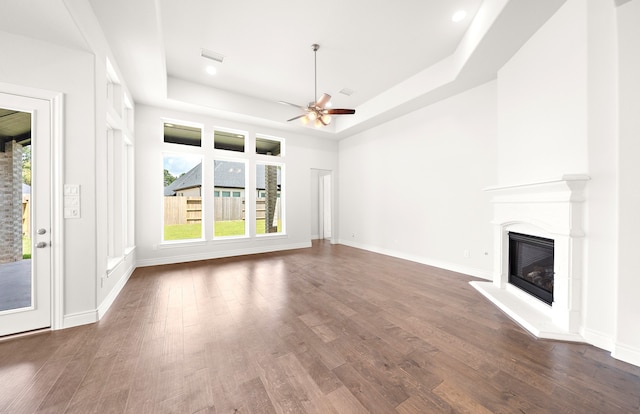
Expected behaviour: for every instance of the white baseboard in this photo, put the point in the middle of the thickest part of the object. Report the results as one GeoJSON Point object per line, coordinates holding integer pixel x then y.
{"type": "Point", "coordinates": [217, 255]}
{"type": "Point", "coordinates": [626, 353]}
{"type": "Point", "coordinates": [117, 288]}
{"type": "Point", "coordinates": [454, 267]}
{"type": "Point", "coordinates": [80, 318]}
{"type": "Point", "coordinates": [599, 339]}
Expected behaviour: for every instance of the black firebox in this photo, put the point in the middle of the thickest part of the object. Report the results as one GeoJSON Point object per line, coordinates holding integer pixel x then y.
{"type": "Point", "coordinates": [531, 265]}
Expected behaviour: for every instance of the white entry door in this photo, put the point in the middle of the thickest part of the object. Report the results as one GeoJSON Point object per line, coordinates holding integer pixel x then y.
{"type": "Point", "coordinates": [25, 214]}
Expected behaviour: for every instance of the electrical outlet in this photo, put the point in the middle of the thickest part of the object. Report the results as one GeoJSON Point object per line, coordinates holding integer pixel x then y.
{"type": "Point", "coordinates": [467, 254]}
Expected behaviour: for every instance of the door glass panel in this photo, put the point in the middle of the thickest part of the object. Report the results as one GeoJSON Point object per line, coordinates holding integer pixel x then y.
{"type": "Point", "coordinates": [16, 282]}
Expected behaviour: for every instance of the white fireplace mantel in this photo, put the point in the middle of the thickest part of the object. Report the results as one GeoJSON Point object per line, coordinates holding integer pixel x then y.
{"type": "Point", "coordinates": [552, 209]}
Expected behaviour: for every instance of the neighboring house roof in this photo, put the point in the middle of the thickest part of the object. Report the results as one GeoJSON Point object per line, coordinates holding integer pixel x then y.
{"type": "Point", "coordinates": [191, 179]}
{"type": "Point", "coordinates": [227, 174]}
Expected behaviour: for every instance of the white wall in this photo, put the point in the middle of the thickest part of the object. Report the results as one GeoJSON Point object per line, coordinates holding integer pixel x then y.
{"type": "Point", "coordinates": [413, 187]}
{"type": "Point", "coordinates": [561, 110]}
{"type": "Point", "coordinates": [628, 309]}
{"type": "Point", "coordinates": [79, 72]}
{"type": "Point", "coordinates": [43, 65]}
{"type": "Point", "coordinates": [542, 102]}
{"type": "Point", "coordinates": [601, 227]}
{"type": "Point", "coordinates": [302, 154]}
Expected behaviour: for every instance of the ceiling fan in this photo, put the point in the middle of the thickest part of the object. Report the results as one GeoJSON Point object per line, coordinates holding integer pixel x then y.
{"type": "Point", "coordinates": [317, 111]}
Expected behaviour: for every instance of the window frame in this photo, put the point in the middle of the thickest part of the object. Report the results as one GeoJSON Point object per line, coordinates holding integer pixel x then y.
{"type": "Point", "coordinates": [189, 153]}
{"type": "Point", "coordinates": [208, 155]}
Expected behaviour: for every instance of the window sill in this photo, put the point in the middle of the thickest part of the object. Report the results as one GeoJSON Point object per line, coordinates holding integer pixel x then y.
{"type": "Point", "coordinates": [272, 236]}
{"type": "Point", "coordinates": [113, 262]}
{"type": "Point", "coordinates": [171, 244]}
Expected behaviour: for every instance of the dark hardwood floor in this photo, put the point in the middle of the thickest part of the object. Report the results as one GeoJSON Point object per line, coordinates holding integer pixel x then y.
{"type": "Point", "coordinates": [330, 329]}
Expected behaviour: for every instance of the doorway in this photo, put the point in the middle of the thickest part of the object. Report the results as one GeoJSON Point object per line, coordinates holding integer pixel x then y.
{"type": "Point", "coordinates": [25, 214]}
{"type": "Point", "coordinates": [322, 204]}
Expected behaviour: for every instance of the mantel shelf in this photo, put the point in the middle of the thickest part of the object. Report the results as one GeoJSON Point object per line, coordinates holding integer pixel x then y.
{"type": "Point", "coordinates": [567, 179]}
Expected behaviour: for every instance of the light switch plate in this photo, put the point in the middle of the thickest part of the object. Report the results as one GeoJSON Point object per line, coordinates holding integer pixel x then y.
{"type": "Point", "coordinates": [71, 201]}
{"type": "Point", "coordinates": [71, 189]}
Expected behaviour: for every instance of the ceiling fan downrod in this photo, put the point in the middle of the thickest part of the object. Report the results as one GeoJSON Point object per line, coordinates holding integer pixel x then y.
{"type": "Point", "coordinates": [315, 48]}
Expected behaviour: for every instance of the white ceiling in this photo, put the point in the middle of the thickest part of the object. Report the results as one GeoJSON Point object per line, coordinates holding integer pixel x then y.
{"type": "Point", "coordinates": [396, 56]}
{"type": "Point", "coordinates": [367, 46]}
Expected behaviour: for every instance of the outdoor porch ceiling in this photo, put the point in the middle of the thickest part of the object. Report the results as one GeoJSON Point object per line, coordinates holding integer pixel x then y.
{"type": "Point", "coordinates": [14, 126]}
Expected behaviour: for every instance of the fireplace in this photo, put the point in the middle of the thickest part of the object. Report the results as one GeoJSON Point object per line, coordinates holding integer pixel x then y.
{"type": "Point", "coordinates": [531, 265]}
{"type": "Point", "coordinates": [538, 248]}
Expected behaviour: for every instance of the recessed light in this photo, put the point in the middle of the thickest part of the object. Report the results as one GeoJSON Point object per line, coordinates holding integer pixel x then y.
{"type": "Point", "coordinates": [211, 70]}
{"type": "Point", "coordinates": [459, 16]}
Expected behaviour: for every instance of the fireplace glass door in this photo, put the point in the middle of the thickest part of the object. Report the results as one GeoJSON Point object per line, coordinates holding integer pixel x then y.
{"type": "Point", "coordinates": [531, 265]}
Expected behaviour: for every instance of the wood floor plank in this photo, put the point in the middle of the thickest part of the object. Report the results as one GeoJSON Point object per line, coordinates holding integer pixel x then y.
{"type": "Point", "coordinates": [30, 397]}
{"type": "Point", "coordinates": [325, 329]}
{"type": "Point", "coordinates": [256, 396]}
{"type": "Point", "coordinates": [363, 390]}
{"type": "Point", "coordinates": [418, 404]}
{"type": "Point", "coordinates": [460, 400]}
{"type": "Point", "coordinates": [89, 392]}
{"type": "Point", "coordinates": [313, 399]}
{"type": "Point", "coordinates": [344, 402]}
{"type": "Point", "coordinates": [282, 393]}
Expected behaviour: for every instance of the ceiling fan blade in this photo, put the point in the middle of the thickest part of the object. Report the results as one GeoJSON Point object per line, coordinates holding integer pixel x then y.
{"type": "Point", "coordinates": [324, 99]}
{"type": "Point", "coordinates": [340, 111]}
{"type": "Point", "coordinates": [291, 104]}
{"type": "Point", "coordinates": [297, 117]}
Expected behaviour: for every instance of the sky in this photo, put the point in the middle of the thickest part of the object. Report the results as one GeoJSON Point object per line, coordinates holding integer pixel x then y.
{"type": "Point", "coordinates": [178, 164]}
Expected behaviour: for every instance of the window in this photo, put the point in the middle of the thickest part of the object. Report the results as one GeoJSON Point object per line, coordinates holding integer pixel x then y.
{"type": "Point", "coordinates": [229, 140]}
{"type": "Point", "coordinates": [229, 179]}
{"type": "Point", "coordinates": [182, 196]}
{"type": "Point", "coordinates": [182, 134]}
{"type": "Point", "coordinates": [205, 183]}
{"type": "Point", "coordinates": [269, 207]}
{"type": "Point", "coordinates": [268, 146]}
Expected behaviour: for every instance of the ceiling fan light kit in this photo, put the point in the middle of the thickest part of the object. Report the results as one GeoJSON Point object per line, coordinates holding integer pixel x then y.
{"type": "Point", "coordinates": [317, 111]}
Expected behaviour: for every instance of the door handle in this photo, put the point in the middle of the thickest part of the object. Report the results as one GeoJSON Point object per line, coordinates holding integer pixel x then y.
{"type": "Point", "coordinates": [41, 245]}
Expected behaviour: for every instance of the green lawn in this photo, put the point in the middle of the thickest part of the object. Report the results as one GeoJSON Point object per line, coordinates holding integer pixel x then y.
{"type": "Point", "coordinates": [26, 248]}
{"type": "Point", "coordinates": [222, 228]}
{"type": "Point", "coordinates": [183, 231]}
{"type": "Point", "coordinates": [229, 228]}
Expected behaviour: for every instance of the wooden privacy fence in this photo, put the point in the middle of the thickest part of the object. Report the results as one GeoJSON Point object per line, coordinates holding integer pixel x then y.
{"type": "Point", "coordinates": [182, 210]}
{"type": "Point", "coordinates": [26, 215]}
{"type": "Point", "coordinates": [187, 210]}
